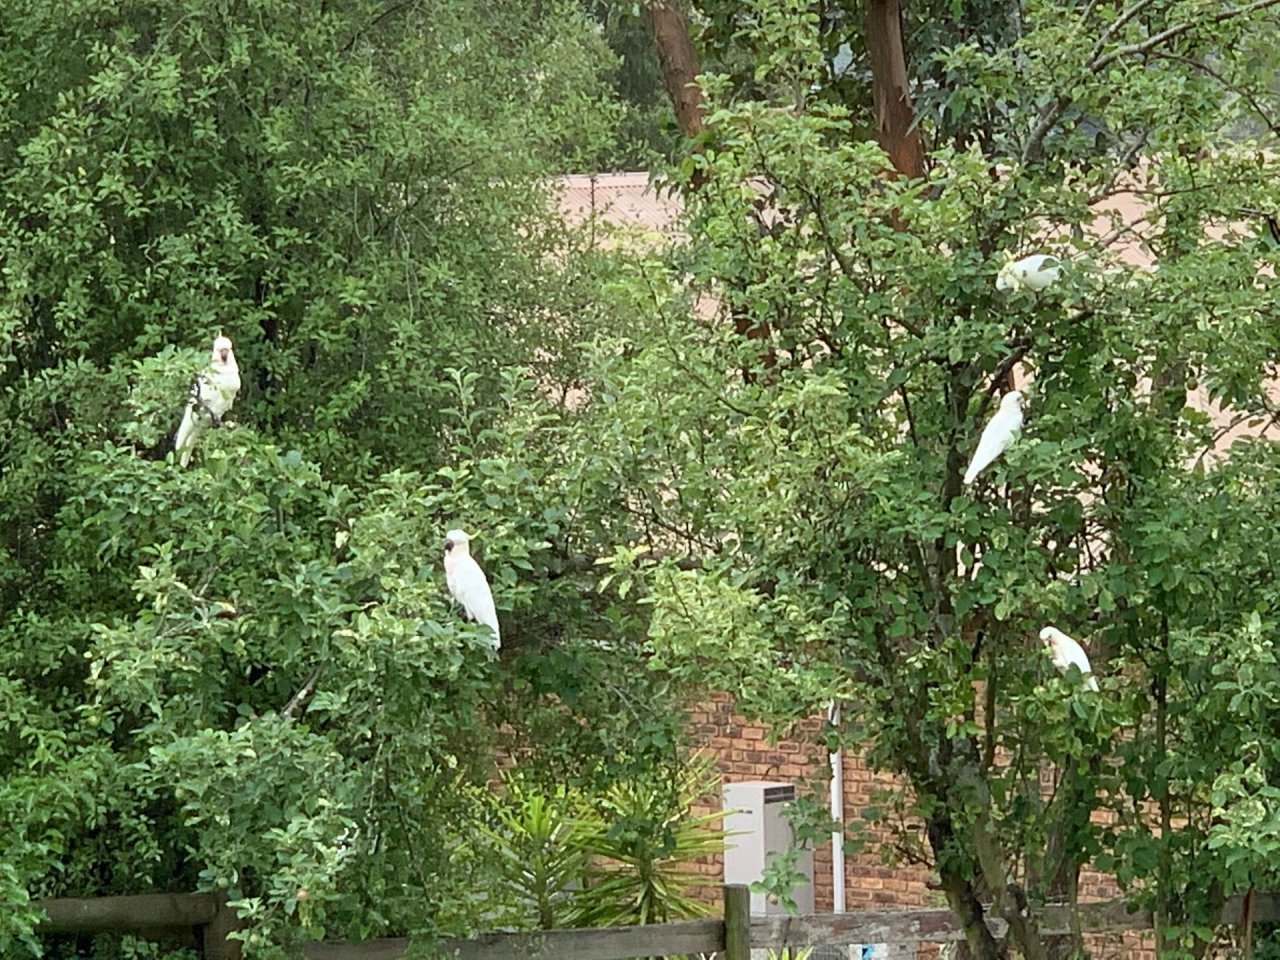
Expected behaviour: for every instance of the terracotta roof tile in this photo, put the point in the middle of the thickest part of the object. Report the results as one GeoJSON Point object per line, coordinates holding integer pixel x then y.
{"type": "Point", "coordinates": [619, 199]}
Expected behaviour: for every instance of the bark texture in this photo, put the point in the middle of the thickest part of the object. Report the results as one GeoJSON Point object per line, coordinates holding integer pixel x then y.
{"type": "Point", "coordinates": [896, 131]}
{"type": "Point", "coordinates": [679, 62]}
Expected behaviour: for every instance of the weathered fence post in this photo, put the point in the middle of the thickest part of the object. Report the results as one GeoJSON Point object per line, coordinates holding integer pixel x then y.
{"type": "Point", "coordinates": [214, 943]}
{"type": "Point", "coordinates": [737, 922]}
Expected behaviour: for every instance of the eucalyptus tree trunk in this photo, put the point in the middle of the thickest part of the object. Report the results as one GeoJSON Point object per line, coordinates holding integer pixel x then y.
{"type": "Point", "coordinates": [679, 62]}
{"type": "Point", "coordinates": [896, 130]}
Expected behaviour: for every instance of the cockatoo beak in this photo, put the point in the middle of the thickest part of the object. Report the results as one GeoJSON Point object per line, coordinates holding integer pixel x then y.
{"type": "Point", "coordinates": [223, 354]}
{"type": "Point", "coordinates": [452, 541]}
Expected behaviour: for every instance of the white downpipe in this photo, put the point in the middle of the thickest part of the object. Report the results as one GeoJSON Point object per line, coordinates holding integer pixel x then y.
{"type": "Point", "coordinates": [836, 758]}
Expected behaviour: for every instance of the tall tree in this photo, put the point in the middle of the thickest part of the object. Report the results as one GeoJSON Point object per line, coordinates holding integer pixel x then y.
{"type": "Point", "coordinates": [679, 62]}
{"type": "Point", "coordinates": [246, 675]}
{"type": "Point", "coordinates": [839, 553]}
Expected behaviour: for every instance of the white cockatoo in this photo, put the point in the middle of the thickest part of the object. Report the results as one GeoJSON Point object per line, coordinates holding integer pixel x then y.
{"type": "Point", "coordinates": [997, 435]}
{"type": "Point", "coordinates": [1066, 652]}
{"type": "Point", "coordinates": [467, 583]}
{"type": "Point", "coordinates": [212, 393]}
{"type": "Point", "coordinates": [1034, 273]}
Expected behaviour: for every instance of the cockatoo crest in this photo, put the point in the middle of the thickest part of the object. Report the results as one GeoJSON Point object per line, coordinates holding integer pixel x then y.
{"type": "Point", "coordinates": [467, 583]}
{"type": "Point", "coordinates": [212, 393]}
{"type": "Point", "coordinates": [457, 543]}
{"type": "Point", "coordinates": [997, 435]}
{"type": "Point", "coordinates": [1036, 272]}
{"type": "Point", "coordinates": [1067, 653]}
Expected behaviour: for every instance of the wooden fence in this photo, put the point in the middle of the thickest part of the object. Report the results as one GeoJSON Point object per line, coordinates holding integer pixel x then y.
{"type": "Point", "coordinates": [204, 917]}
{"type": "Point", "coordinates": [208, 920]}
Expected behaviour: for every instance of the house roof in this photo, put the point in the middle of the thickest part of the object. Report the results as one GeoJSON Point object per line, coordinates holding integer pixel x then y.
{"type": "Point", "coordinates": [618, 199]}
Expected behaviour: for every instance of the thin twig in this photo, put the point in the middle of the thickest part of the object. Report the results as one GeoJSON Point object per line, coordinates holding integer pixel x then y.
{"type": "Point", "coordinates": [1098, 61]}
{"type": "Point", "coordinates": [303, 692]}
{"type": "Point", "coordinates": [1154, 41]}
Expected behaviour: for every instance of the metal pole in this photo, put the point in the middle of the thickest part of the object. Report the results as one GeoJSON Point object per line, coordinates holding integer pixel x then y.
{"type": "Point", "coordinates": [836, 758]}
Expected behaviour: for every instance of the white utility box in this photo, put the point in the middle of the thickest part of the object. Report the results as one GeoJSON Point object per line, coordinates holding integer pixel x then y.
{"type": "Point", "coordinates": [756, 826]}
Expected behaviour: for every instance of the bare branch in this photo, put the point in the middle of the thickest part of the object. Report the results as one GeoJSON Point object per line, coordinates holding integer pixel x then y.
{"type": "Point", "coordinates": [1154, 41]}
{"type": "Point", "coordinates": [1098, 60]}
{"type": "Point", "coordinates": [303, 692]}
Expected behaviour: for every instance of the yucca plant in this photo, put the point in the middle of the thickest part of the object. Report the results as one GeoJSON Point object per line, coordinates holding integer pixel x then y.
{"type": "Point", "coordinates": [565, 859]}
{"type": "Point", "coordinates": [542, 843]}
{"type": "Point", "coordinates": [641, 869]}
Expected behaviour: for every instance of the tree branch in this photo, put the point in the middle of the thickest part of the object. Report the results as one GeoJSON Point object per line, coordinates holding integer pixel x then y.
{"type": "Point", "coordinates": [1115, 25]}
{"type": "Point", "coordinates": [1099, 61]}
{"type": "Point", "coordinates": [1049, 115]}
{"type": "Point", "coordinates": [391, 11]}
{"type": "Point", "coordinates": [1221, 432]}
{"type": "Point", "coordinates": [581, 562]}
{"type": "Point", "coordinates": [1010, 900]}
{"type": "Point", "coordinates": [1227, 85]}
{"type": "Point", "coordinates": [303, 692]}
{"type": "Point", "coordinates": [959, 890]}
{"type": "Point", "coordinates": [1018, 348]}
{"type": "Point", "coordinates": [1154, 41]}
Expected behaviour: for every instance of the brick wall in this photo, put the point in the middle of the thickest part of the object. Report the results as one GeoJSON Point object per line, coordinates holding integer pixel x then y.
{"type": "Point", "coordinates": [742, 751]}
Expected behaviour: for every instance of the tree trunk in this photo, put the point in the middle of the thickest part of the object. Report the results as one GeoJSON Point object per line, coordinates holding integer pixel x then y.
{"type": "Point", "coordinates": [959, 890]}
{"type": "Point", "coordinates": [679, 62]}
{"type": "Point", "coordinates": [1063, 858]}
{"type": "Point", "coordinates": [895, 121]}
{"type": "Point", "coordinates": [1010, 899]}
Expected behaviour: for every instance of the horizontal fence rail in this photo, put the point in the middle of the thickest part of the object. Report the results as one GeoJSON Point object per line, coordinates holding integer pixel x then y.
{"type": "Point", "coordinates": [103, 914]}
{"type": "Point", "coordinates": [934, 925]}
{"type": "Point", "coordinates": [588, 943]}
{"type": "Point", "coordinates": [205, 917]}
{"type": "Point", "coordinates": [733, 937]}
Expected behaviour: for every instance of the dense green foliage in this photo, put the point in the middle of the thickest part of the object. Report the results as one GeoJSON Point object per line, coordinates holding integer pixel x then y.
{"type": "Point", "coordinates": [246, 675]}
{"type": "Point", "coordinates": [569, 859]}
{"type": "Point", "coordinates": [814, 468]}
